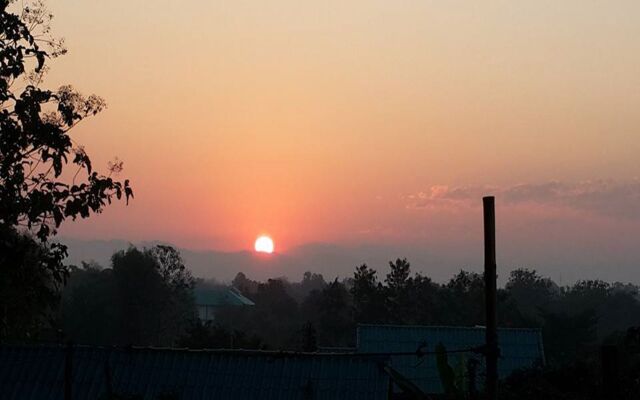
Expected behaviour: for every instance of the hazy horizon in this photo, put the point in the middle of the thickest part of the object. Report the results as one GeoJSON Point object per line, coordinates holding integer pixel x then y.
{"type": "Point", "coordinates": [339, 261]}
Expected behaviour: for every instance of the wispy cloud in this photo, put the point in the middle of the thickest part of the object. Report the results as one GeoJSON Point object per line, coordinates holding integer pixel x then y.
{"type": "Point", "coordinates": [617, 199]}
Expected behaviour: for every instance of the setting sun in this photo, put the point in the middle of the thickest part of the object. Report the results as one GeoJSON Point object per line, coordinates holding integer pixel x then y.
{"type": "Point", "coordinates": [264, 244]}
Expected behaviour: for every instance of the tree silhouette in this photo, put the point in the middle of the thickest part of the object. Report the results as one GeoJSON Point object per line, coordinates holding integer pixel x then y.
{"type": "Point", "coordinates": [309, 341]}
{"type": "Point", "coordinates": [368, 296]}
{"type": "Point", "coordinates": [35, 150]}
{"type": "Point", "coordinates": [146, 298]}
{"type": "Point", "coordinates": [398, 293]}
{"type": "Point", "coordinates": [334, 317]}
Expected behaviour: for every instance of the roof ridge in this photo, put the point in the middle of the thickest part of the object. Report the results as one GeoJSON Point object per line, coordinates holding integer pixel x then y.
{"type": "Point", "coordinates": [445, 327]}
{"type": "Point", "coordinates": [245, 352]}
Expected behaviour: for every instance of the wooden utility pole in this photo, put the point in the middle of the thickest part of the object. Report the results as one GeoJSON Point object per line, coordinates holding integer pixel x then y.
{"type": "Point", "coordinates": [490, 290]}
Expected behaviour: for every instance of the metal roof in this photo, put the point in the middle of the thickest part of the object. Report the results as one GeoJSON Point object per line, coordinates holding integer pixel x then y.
{"type": "Point", "coordinates": [221, 297]}
{"type": "Point", "coordinates": [520, 348]}
{"type": "Point", "coordinates": [37, 372]}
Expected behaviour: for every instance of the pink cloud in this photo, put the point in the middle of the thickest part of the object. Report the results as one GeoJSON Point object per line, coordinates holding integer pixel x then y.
{"type": "Point", "coordinates": [609, 198]}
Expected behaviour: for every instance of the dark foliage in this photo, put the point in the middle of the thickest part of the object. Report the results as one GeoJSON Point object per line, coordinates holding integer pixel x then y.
{"type": "Point", "coordinates": [30, 279]}
{"type": "Point", "coordinates": [244, 285]}
{"type": "Point", "coordinates": [334, 316]}
{"type": "Point", "coordinates": [35, 150]}
{"type": "Point", "coordinates": [584, 378]}
{"type": "Point", "coordinates": [132, 297]}
{"type": "Point", "coordinates": [146, 298]}
{"type": "Point", "coordinates": [276, 315]}
{"type": "Point", "coordinates": [309, 342]}
{"type": "Point", "coordinates": [368, 297]}
{"type": "Point", "coordinates": [212, 336]}
{"type": "Point", "coordinates": [567, 383]}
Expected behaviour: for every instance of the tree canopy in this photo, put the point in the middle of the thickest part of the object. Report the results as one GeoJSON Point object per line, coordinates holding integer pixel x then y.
{"type": "Point", "coordinates": [145, 298]}
{"type": "Point", "coordinates": [46, 177]}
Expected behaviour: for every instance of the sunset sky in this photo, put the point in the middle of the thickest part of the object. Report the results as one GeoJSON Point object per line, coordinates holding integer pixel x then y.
{"type": "Point", "coordinates": [377, 123]}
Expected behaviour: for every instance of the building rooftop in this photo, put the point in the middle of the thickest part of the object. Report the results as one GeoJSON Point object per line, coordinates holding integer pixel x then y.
{"type": "Point", "coordinates": [222, 296]}
{"type": "Point", "coordinates": [520, 348]}
{"type": "Point", "coordinates": [38, 372]}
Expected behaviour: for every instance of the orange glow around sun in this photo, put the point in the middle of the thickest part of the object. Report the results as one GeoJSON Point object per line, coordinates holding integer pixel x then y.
{"type": "Point", "coordinates": [264, 244]}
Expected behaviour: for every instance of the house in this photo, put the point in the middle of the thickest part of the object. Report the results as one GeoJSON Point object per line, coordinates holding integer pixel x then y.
{"type": "Point", "coordinates": [210, 300]}
{"type": "Point", "coordinates": [520, 348]}
{"type": "Point", "coordinates": [91, 372]}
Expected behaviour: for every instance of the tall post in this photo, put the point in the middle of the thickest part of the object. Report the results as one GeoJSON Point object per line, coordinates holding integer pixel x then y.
{"type": "Point", "coordinates": [490, 290]}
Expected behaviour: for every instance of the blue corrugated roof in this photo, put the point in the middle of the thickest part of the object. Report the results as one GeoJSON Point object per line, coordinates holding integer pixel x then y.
{"type": "Point", "coordinates": [37, 372]}
{"type": "Point", "coordinates": [520, 348]}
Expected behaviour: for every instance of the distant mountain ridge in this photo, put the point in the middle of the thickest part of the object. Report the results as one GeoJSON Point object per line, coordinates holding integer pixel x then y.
{"type": "Point", "coordinates": [328, 259]}
{"type": "Point", "coordinates": [332, 260]}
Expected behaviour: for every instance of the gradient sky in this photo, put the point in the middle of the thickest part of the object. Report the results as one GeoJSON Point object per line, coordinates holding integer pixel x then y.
{"type": "Point", "coordinates": [367, 122]}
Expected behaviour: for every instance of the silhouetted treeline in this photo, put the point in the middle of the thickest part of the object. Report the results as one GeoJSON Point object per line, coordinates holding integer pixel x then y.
{"type": "Point", "coordinates": [146, 297]}
{"type": "Point", "coordinates": [576, 320]}
{"type": "Point", "coordinates": [572, 318]}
